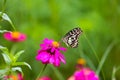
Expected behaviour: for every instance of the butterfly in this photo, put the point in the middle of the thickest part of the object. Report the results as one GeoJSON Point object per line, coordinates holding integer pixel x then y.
{"type": "Point", "coordinates": [71, 38]}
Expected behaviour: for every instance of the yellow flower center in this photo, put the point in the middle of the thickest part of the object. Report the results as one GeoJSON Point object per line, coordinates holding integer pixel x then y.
{"type": "Point", "coordinates": [55, 44]}
{"type": "Point", "coordinates": [81, 61]}
{"type": "Point", "coordinates": [13, 77]}
{"type": "Point", "coordinates": [15, 35]}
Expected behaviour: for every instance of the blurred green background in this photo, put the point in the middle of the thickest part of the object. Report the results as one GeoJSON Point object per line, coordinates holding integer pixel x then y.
{"type": "Point", "coordinates": [39, 19]}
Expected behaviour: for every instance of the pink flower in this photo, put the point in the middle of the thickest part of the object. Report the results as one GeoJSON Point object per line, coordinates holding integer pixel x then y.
{"type": "Point", "coordinates": [14, 36]}
{"type": "Point", "coordinates": [14, 77]}
{"type": "Point", "coordinates": [44, 78]}
{"type": "Point", "coordinates": [50, 53]}
{"type": "Point", "coordinates": [84, 74]}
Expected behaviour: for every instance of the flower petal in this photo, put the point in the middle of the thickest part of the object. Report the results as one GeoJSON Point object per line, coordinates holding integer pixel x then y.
{"type": "Point", "coordinates": [57, 62]}
{"type": "Point", "coordinates": [43, 56]}
{"type": "Point", "coordinates": [8, 36]}
{"type": "Point", "coordinates": [45, 78]}
{"type": "Point", "coordinates": [62, 58]}
{"type": "Point", "coordinates": [63, 49]}
{"type": "Point", "coordinates": [52, 50]}
{"type": "Point", "coordinates": [22, 37]}
{"type": "Point", "coordinates": [47, 41]}
{"type": "Point", "coordinates": [52, 60]}
{"type": "Point", "coordinates": [85, 74]}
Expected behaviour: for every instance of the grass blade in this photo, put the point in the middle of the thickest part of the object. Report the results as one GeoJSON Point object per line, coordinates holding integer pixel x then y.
{"type": "Point", "coordinates": [104, 57]}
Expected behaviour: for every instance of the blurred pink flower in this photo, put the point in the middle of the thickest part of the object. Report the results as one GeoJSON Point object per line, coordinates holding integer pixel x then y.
{"type": "Point", "coordinates": [71, 78]}
{"type": "Point", "coordinates": [14, 77]}
{"type": "Point", "coordinates": [45, 78]}
{"type": "Point", "coordinates": [50, 53]}
{"type": "Point", "coordinates": [14, 36]}
{"type": "Point", "coordinates": [84, 74]}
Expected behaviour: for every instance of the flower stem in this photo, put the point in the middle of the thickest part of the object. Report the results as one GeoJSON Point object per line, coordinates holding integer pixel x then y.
{"type": "Point", "coordinates": [13, 26]}
{"type": "Point", "coordinates": [3, 8]}
{"type": "Point", "coordinates": [41, 71]}
{"type": "Point", "coordinates": [92, 48]}
{"type": "Point", "coordinates": [14, 48]}
{"type": "Point", "coordinates": [2, 12]}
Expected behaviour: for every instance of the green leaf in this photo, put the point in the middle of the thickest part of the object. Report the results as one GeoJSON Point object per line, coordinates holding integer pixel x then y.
{"type": "Point", "coordinates": [17, 69]}
{"type": "Point", "coordinates": [104, 57]}
{"type": "Point", "coordinates": [2, 31]}
{"type": "Point", "coordinates": [5, 17]}
{"type": "Point", "coordinates": [114, 71]}
{"type": "Point", "coordinates": [7, 58]}
{"type": "Point", "coordinates": [2, 73]}
{"type": "Point", "coordinates": [17, 55]}
{"type": "Point", "coordinates": [4, 50]}
{"type": "Point", "coordinates": [6, 55]}
{"type": "Point", "coordinates": [21, 63]}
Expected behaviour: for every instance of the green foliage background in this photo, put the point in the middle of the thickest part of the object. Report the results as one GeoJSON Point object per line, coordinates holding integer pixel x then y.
{"type": "Point", "coordinates": [39, 19]}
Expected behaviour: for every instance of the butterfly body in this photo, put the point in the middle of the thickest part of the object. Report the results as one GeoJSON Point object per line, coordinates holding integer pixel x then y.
{"type": "Point", "coordinates": [71, 38]}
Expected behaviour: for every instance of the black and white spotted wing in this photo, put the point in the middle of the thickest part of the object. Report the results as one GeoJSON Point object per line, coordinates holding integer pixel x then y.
{"type": "Point", "coordinates": [71, 38]}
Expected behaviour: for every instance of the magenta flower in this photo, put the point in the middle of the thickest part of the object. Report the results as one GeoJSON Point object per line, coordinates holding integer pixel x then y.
{"type": "Point", "coordinates": [85, 74]}
{"type": "Point", "coordinates": [50, 53]}
{"type": "Point", "coordinates": [14, 36]}
{"type": "Point", "coordinates": [45, 78]}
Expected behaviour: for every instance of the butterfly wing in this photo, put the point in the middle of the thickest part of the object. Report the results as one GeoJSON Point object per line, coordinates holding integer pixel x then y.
{"type": "Point", "coordinates": [71, 38]}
